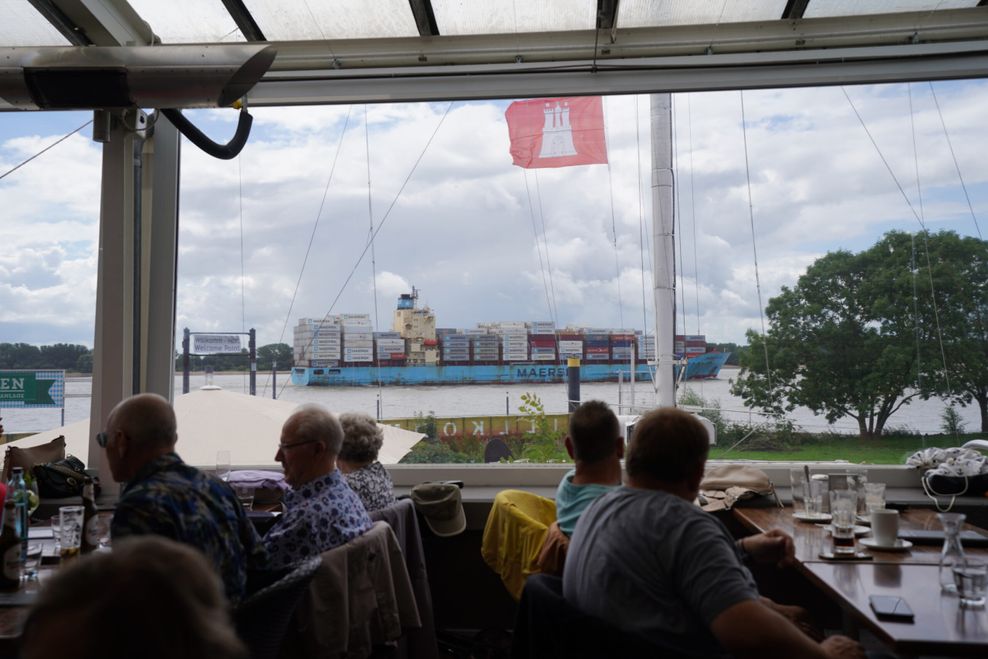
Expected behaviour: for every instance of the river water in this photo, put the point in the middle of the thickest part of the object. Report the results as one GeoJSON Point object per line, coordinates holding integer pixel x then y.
{"type": "Point", "coordinates": [467, 400]}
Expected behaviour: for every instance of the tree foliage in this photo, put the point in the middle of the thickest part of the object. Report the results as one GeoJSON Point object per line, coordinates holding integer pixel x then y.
{"type": "Point", "coordinates": [67, 356]}
{"type": "Point", "coordinates": [860, 335]}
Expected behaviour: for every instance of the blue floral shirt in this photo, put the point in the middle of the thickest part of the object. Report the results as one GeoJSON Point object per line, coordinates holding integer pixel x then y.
{"type": "Point", "coordinates": [169, 498]}
{"type": "Point", "coordinates": [321, 514]}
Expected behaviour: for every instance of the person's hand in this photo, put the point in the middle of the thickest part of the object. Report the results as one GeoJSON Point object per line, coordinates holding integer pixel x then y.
{"type": "Point", "coordinates": [841, 647]}
{"type": "Point", "coordinates": [774, 546]}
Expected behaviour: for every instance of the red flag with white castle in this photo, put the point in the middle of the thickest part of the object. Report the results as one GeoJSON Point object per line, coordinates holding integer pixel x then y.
{"type": "Point", "coordinates": [557, 132]}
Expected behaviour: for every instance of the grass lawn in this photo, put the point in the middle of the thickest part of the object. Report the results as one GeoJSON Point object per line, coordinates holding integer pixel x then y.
{"type": "Point", "coordinates": [886, 450]}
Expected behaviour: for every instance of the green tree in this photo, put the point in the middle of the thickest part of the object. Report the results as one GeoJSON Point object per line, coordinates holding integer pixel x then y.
{"type": "Point", "coordinates": [836, 344]}
{"type": "Point", "coordinates": [85, 363]}
{"type": "Point", "coordinates": [274, 352]}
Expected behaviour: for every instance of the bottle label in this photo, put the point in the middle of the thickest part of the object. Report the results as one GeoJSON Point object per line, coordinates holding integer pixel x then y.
{"type": "Point", "coordinates": [92, 532]}
{"type": "Point", "coordinates": [12, 563]}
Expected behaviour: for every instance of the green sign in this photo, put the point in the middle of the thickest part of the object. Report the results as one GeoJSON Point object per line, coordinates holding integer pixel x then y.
{"type": "Point", "coordinates": [32, 389]}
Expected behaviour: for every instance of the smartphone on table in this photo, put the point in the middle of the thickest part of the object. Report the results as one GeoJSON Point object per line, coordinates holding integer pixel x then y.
{"type": "Point", "coordinates": [891, 607]}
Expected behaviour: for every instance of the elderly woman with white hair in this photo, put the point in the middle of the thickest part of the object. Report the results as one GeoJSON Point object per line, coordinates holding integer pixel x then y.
{"type": "Point", "coordinates": [362, 439]}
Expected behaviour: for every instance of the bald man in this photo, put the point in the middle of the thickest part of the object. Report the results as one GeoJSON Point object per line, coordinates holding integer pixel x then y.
{"type": "Point", "coordinates": [164, 496]}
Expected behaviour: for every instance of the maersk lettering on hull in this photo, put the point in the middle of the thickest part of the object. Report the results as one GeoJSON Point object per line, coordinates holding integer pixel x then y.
{"type": "Point", "coordinates": [704, 366]}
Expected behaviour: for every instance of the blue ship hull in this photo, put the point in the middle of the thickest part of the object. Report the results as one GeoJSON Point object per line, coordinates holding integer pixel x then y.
{"type": "Point", "coordinates": [700, 367]}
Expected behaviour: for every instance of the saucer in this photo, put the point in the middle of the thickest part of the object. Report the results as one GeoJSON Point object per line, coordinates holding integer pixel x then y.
{"type": "Point", "coordinates": [858, 530]}
{"type": "Point", "coordinates": [864, 519]}
{"type": "Point", "coordinates": [900, 545]}
{"type": "Point", "coordinates": [815, 517]}
{"type": "Point", "coordinates": [857, 556]}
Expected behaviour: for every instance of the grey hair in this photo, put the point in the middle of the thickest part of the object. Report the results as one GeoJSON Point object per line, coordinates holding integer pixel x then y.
{"type": "Point", "coordinates": [362, 438]}
{"type": "Point", "coordinates": [314, 422]}
{"type": "Point", "coordinates": [162, 597]}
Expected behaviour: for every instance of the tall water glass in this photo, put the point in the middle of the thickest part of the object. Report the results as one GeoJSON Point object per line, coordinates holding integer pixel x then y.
{"type": "Point", "coordinates": [797, 479]}
{"type": "Point", "coordinates": [223, 465]}
{"type": "Point", "coordinates": [874, 496]}
{"type": "Point", "coordinates": [843, 510]}
{"type": "Point", "coordinates": [971, 580]}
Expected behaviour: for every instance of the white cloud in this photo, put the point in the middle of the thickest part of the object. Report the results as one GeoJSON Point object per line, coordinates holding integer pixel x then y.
{"type": "Point", "coordinates": [467, 227]}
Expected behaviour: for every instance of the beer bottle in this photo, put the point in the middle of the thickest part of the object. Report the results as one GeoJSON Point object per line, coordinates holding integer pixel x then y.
{"type": "Point", "coordinates": [90, 519]}
{"type": "Point", "coordinates": [11, 564]}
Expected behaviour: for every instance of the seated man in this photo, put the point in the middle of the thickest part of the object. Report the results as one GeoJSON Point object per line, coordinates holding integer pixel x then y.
{"type": "Point", "coordinates": [321, 511]}
{"type": "Point", "coordinates": [645, 559]}
{"type": "Point", "coordinates": [594, 442]}
{"type": "Point", "coordinates": [164, 496]}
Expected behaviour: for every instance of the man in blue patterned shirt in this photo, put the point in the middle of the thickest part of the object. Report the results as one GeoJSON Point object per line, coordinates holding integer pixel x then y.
{"type": "Point", "coordinates": [321, 511]}
{"type": "Point", "coordinates": [164, 496]}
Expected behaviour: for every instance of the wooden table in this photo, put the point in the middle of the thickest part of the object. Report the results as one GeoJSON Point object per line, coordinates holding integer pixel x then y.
{"type": "Point", "coordinates": [940, 627]}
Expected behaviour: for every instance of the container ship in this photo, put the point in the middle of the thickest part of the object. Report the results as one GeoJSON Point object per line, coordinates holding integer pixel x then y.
{"type": "Point", "coordinates": [344, 350]}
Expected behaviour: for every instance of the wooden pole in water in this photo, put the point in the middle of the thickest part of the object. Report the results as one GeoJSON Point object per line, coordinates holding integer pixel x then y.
{"type": "Point", "coordinates": [573, 382]}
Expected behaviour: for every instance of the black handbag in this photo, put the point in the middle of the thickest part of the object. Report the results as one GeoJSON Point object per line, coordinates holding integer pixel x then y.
{"type": "Point", "coordinates": [60, 479]}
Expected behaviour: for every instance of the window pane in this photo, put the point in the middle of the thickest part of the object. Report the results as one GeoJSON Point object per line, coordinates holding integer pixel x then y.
{"type": "Point", "coordinates": [22, 25]}
{"type": "Point", "coordinates": [188, 21]}
{"type": "Point", "coordinates": [641, 13]}
{"type": "Point", "coordinates": [509, 16]}
{"type": "Point", "coordinates": [818, 8]}
{"type": "Point", "coordinates": [332, 19]}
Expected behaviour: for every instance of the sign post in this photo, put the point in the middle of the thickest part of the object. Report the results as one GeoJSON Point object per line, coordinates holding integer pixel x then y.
{"type": "Point", "coordinates": [218, 343]}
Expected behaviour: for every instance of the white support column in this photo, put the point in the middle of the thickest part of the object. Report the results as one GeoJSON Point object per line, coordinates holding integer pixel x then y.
{"type": "Point", "coordinates": [160, 247]}
{"type": "Point", "coordinates": [663, 276]}
{"type": "Point", "coordinates": [113, 353]}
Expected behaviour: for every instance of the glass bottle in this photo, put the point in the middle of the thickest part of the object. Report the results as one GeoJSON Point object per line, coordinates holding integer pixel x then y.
{"type": "Point", "coordinates": [17, 491]}
{"type": "Point", "coordinates": [90, 519]}
{"type": "Point", "coordinates": [10, 549]}
{"type": "Point", "coordinates": [952, 553]}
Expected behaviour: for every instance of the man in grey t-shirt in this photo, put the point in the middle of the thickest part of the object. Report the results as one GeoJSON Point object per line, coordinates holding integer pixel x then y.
{"type": "Point", "coordinates": [648, 561]}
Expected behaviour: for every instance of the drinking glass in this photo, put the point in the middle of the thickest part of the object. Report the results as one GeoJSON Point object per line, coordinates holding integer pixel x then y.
{"type": "Point", "coordinates": [797, 479]}
{"type": "Point", "coordinates": [245, 493]}
{"type": "Point", "coordinates": [971, 579]}
{"type": "Point", "coordinates": [814, 496]}
{"type": "Point", "coordinates": [70, 530]}
{"type": "Point", "coordinates": [223, 465]}
{"type": "Point", "coordinates": [874, 496]}
{"type": "Point", "coordinates": [844, 510]}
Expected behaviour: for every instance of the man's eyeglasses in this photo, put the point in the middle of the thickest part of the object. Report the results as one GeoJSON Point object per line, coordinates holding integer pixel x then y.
{"type": "Point", "coordinates": [282, 447]}
{"type": "Point", "coordinates": [102, 438]}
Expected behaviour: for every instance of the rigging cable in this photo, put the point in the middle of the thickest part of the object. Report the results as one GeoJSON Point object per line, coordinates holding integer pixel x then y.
{"type": "Point", "coordinates": [384, 218]}
{"type": "Point", "coordinates": [538, 244]}
{"type": "Point", "coordinates": [754, 246]}
{"type": "Point", "coordinates": [243, 268]}
{"type": "Point", "coordinates": [926, 234]}
{"type": "Point", "coordinates": [53, 144]}
{"type": "Point", "coordinates": [545, 241]}
{"type": "Point", "coordinates": [617, 261]}
{"type": "Point", "coordinates": [312, 237]}
{"type": "Point", "coordinates": [678, 215]}
{"type": "Point", "coordinates": [912, 239]}
{"type": "Point", "coordinates": [641, 216]}
{"type": "Point", "coordinates": [370, 234]}
{"type": "Point", "coordinates": [953, 156]}
{"type": "Point", "coordinates": [696, 260]}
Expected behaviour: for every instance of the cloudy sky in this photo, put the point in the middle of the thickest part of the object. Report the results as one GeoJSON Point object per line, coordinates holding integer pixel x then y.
{"type": "Point", "coordinates": [461, 229]}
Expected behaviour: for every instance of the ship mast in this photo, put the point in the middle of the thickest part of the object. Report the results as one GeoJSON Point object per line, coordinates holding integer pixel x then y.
{"type": "Point", "coordinates": [663, 275]}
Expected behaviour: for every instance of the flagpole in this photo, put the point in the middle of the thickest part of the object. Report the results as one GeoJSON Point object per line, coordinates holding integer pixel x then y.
{"type": "Point", "coordinates": [663, 275]}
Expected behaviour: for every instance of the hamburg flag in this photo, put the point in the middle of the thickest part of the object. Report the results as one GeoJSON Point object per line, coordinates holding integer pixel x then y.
{"type": "Point", "coordinates": [557, 132]}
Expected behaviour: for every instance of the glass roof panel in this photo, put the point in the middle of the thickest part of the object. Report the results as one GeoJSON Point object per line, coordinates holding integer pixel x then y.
{"type": "Point", "coordinates": [649, 13]}
{"type": "Point", "coordinates": [332, 19]}
{"type": "Point", "coordinates": [22, 25]}
{"type": "Point", "coordinates": [188, 21]}
{"type": "Point", "coordinates": [819, 8]}
{"type": "Point", "coordinates": [510, 16]}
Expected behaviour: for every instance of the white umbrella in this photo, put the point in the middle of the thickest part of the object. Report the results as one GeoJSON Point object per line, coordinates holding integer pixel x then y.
{"type": "Point", "coordinates": [249, 427]}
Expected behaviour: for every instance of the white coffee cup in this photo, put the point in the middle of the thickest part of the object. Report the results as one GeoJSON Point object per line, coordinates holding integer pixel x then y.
{"type": "Point", "coordinates": [885, 526]}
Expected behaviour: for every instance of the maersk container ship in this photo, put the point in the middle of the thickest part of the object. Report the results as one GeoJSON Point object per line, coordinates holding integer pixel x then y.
{"type": "Point", "coordinates": [344, 350]}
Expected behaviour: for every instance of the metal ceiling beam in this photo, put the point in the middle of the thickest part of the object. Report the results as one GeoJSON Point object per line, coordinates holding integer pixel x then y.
{"type": "Point", "coordinates": [567, 48]}
{"type": "Point", "coordinates": [648, 75]}
{"type": "Point", "coordinates": [99, 22]}
{"type": "Point", "coordinates": [794, 9]}
{"type": "Point", "coordinates": [425, 17]}
{"type": "Point", "coordinates": [244, 20]}
{"type": "Point", "coordinates": [61, 22]}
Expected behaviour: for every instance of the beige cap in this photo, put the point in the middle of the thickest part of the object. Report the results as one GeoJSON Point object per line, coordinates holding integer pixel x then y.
{"type": "Point", "coordinates": [441, 506]}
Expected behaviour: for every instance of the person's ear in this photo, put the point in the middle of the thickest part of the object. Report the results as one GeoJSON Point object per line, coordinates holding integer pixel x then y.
{"type": "Point", "coordinates": [569, 446]}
